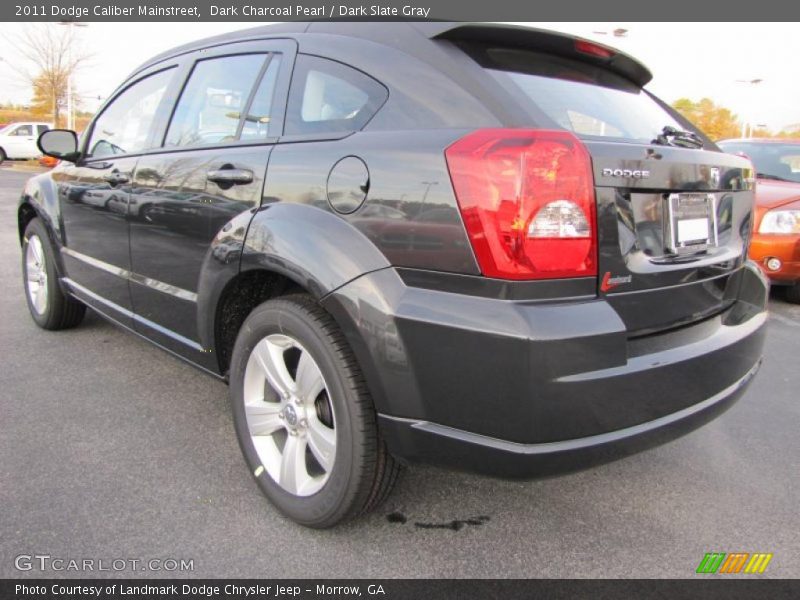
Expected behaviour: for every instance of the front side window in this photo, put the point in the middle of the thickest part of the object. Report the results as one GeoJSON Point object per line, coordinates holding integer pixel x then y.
{"type": "Point", "coordinates": [327, 96]}
{"type": "Point", "coordinates": [212, 102]}
{"type": "Point", "coordinates": [23, 131]}
{"type": "Point", "coordinates": [124, 127]}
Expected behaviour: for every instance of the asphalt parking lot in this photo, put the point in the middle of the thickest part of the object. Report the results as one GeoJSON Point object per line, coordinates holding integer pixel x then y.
{"type": "Point", "coordinates": [111, 448]}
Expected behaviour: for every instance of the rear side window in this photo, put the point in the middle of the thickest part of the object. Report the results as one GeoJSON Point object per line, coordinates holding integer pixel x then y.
{"type": "Point", "coordinates": [587, 100]}
{"type": "Point", "coordinates": [42, 128]}
{"type": "Point", "coordinates": [124, 127]}
{"type": "Point", "coordinates": [211, 104]}
{"type": "Point", "coordinates": [329, 97]}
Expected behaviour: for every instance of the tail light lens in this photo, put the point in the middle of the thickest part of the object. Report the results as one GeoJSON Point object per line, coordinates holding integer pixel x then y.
{"type": "Point", "coordinates": [527, 200]}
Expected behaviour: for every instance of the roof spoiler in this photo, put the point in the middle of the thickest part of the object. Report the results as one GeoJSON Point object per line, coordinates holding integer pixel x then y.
{"type": "Point", "coordinates": [538, 39]}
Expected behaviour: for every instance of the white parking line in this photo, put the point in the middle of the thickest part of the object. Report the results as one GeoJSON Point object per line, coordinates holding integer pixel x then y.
{"type": "Point", "coordinates": [785, 320]}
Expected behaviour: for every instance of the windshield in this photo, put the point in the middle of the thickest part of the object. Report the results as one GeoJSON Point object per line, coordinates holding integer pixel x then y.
{"type": "Point", "coordinates": [773, 160]}
{"type": "Point", "coordinates": [590, 101]}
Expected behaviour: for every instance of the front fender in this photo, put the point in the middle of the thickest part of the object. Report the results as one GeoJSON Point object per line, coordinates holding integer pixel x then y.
{"type": "Point", "coordinates": [40, 195]}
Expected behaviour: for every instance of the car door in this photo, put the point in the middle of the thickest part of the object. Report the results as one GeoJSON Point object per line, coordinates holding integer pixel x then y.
{"type": "Point", "coordinates": [21, 142]}
{"type": "Point", "coordinates": [211, 169]}
{"type": "Point", "coordinates": [93, 194]}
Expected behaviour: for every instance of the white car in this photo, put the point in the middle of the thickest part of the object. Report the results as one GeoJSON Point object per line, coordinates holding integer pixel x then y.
{"type": "Point", "coordinates": [18, 140]}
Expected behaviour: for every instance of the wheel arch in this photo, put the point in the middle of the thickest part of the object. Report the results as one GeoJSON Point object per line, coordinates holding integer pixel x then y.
{"type": "Point", "coordinates": [240, 296]}
{"type": "Point", "coordinates": [25, 214]}
{"type": "Point", "coordinates": [40, 195]}
{"type": "Point", "coordinates": [281, 248]}
{"type": "Point", "coordinates": [40, 201]}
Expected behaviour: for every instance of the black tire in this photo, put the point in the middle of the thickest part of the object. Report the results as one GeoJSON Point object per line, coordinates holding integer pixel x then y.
{"type": "Point", "coordinates": [3, 156]}
{"type": "Point", "coordinates": [61, 311]}
{"type": "Point", "coordinates": [363, 473]}
{"type": "Point", "coordinates": [793, 293]}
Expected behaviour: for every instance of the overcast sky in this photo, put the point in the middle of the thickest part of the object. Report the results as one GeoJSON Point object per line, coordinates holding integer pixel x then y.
{"type": "Point", "coordinates": [687, 59]}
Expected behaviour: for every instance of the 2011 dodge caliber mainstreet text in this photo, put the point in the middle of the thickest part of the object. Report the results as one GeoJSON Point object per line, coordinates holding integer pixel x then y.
{"type": "Point", "coordinates": [479, 245]}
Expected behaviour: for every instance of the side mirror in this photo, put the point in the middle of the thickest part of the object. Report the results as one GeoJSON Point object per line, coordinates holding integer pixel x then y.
{"type": "Point", "coordinates": [59, 143]}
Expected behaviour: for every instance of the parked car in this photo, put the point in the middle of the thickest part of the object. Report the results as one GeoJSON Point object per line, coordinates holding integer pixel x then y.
{"type": "Point", "coordinates": [18, 140]}
{"type": "Point", "coordinates": [48, 161]}
{"type": "Point", "coordinates": [776, 237]}
{"type": "Point", "coordinates": [561, 280]}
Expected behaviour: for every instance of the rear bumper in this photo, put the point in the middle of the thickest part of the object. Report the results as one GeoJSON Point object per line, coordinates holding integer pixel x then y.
{"type": "Point", "coordinates": [420, 440]}
{"type": "Point", "coordinates": [526, 389]}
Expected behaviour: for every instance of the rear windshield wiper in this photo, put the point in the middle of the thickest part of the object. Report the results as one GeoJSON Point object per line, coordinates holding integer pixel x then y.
{"type": "Point", "coordinates": [670, 136]}
{"type": "Point", "coordinates": [773, 177]}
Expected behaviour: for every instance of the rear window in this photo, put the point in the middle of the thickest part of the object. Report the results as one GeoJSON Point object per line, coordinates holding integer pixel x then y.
{"type": "Point", "coordinates": [569, 94]}
{"type": "Point", "coordinates": [772, 160]}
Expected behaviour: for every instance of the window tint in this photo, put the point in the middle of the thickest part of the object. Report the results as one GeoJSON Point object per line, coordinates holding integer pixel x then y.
{"type": "Point", "coordinates": [210, 106]}
{"type": "Point", "coordinates": [23, 130]}
{"type": "Point", "coordinates": [42, 128]}
{"type": "Point", "coordinates": [259, 115]}
{"type": "Point", "coordinates": [585, 99]}
{"type": "Point", "coordinates": [124, 126]}
{"type": "Point", "coordinates": [327, 96]}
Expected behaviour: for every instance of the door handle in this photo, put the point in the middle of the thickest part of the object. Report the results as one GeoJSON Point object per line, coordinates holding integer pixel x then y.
{"type": "Point", "coordinates": [115, 178]}
{"type": "Point", "coordinates": [230, 176]}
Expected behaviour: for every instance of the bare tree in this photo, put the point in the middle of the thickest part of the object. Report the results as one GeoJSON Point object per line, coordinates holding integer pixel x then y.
{"type": "Point", "coordinates": [51, 59]}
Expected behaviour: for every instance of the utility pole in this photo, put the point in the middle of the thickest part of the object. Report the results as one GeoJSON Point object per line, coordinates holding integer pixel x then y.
{"type": "Point", "coordinates": [70, 104]}
{"type": "Point", "coordinates": [428, 185]}
{"type": "Point", "coordinates": [745, 124]}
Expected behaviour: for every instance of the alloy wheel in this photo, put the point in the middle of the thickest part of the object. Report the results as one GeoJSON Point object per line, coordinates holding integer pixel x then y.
{"type": "Point", "coordinates": [289, 415]}
{"type": "Point", "coordinates": [36, 272]}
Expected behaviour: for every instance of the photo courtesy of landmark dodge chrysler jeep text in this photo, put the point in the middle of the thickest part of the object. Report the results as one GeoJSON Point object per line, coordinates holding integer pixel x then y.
{"type": "Point", "coordinates": [483, 246]}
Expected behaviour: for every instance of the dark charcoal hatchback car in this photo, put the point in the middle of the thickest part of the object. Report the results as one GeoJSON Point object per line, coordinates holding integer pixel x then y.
{"type": "Point", "coordinates": [483, 246]}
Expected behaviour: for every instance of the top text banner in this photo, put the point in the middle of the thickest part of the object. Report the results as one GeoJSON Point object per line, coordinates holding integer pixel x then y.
{"type": "Point", "coordinates": [450, 10]}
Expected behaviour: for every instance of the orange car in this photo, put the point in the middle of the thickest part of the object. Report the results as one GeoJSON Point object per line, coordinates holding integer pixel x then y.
{"type": "Point", "coordinates": [776, 228]}
{"type": "Point", "coordinates": [48, 161]}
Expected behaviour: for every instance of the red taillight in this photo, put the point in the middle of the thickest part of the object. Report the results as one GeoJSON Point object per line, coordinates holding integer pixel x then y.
{"type": "Point", "coordinates": [527, 200]}
{"type": "Point", "coordinates": [593, 49]}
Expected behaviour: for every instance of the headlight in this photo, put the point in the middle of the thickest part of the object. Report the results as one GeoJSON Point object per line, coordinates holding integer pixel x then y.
{"type": "Point", "coordinates": [780, 221]}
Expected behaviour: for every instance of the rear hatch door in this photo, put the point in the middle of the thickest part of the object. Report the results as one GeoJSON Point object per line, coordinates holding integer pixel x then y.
{"type": "Point", "coordinates": [674, 212]}
{"type": "Point", "coordinates": [673, 225]}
